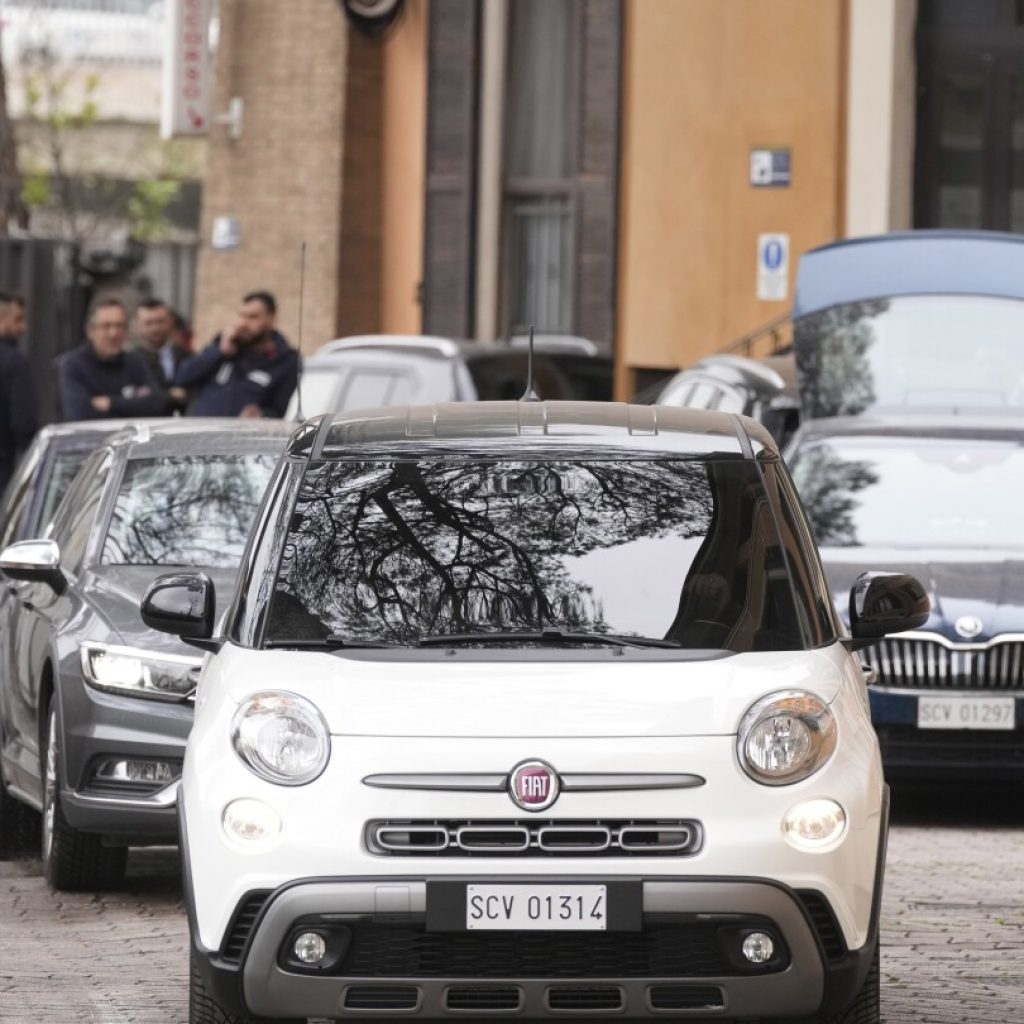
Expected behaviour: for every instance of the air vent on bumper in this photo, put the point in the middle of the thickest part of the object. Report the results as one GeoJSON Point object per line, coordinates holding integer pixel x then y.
{"type": "Point", "coordinates": [518, 838]}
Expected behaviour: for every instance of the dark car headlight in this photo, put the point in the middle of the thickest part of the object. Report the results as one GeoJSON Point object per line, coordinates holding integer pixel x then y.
{"type": "Point", "coordinates": [134, 672]}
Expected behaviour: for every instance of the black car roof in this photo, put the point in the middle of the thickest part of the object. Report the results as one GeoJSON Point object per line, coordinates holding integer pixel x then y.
{"type": "Point", "coordinates": [946, 425]}
{"type": "Point", "coordinates": [488, 427]}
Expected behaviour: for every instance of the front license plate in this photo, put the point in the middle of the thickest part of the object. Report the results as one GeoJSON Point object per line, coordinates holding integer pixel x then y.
{"type": "Point", "coordinates": [537, 907]}
{"type": "Point", "coordinates": [965, 712]}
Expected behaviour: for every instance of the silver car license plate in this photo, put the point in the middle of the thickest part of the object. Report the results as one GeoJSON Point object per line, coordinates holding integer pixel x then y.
{"type": "Point", "coordinates": [537, 907]}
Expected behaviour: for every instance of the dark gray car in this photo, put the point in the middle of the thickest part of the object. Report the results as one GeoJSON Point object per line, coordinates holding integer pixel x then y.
{"type": "Point", "coordinates": [95, 707]}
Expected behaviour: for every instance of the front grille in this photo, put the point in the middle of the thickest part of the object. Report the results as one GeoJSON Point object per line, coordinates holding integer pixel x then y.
{"type": "Point", "coordinates": [483, 999]}
{"type": "Point", "coordinates": [685, 997]}
{"type": "Point", "coordinates": [677, 950]}
{"type": "Point", "coordinates": [825, 924]}
{"type": "Point", "coordinates": [584, 998]}
{"type": "Point", "coordinates": [924, 664]}
{"type": "Point", "coordinates": [242, 923]}
{"type": "Point", "coordinates": [382, 998]}
{"type": "Point", "coordinates": [530, 838]}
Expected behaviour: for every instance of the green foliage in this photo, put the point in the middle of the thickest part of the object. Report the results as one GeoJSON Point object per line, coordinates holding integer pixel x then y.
{"type": "Point", "coordinates": [147, 208]}
{"type": "Point", "coordinates": [36, 189]}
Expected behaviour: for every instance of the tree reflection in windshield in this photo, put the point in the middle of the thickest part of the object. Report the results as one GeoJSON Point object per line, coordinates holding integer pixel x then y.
{"type": "Point", "coordinates": [397, 551]}
{"type": "Point", "coordinates": [186, 510]}
{"type": "Point", "coordinates": [832, 359]}
{"type": "Point", "coordinates": [828, 484]}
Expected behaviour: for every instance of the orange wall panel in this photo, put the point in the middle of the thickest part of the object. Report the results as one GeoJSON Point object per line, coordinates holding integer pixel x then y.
{"type": "Point", "coordinates": [704, 83]}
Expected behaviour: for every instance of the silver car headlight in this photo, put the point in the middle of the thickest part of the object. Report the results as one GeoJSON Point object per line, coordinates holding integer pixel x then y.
{"type": "Point", "coordinates": [281, 737]}
{"type": "Point", "coordinates": [139, 673]}
{"type": "Point", "coordinates": [785, 737]}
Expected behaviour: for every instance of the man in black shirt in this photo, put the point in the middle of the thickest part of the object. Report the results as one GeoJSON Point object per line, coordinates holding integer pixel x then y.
{"type": "Point", "coordinates": [100, 380]}
{"type": "Point", "coordinates": [18, 416]}
{"type": "Point", "coordinates": [248, 370]}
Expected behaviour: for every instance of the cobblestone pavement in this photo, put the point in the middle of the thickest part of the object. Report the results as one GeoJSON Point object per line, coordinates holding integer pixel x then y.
{"type": "Point", "coordinates": [953, 928]}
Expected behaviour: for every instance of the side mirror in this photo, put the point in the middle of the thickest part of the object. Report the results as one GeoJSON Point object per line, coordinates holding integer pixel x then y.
{"type": "Point", "coordinates": [886, 602]}
{"type": "Point", "coordinates": [37, 561]}
{"type": "Point", "coordinates": [182, 603]}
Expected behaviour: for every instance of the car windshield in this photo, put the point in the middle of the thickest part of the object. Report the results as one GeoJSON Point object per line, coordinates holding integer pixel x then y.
{"type": "Point", "coordinates": [405, 550]}
{"type": "Point", "coordinates": [931, 493]}
{"type": "Point", "coordinates": [65, 467]}
{"type": "Point", "coordinates": [186, 510]}
{"type": "Point", "coordinates": [964, 351]}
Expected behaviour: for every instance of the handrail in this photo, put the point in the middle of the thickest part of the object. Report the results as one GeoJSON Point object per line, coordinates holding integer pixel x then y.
{"type": "Point", "coordinates": [773, 329]}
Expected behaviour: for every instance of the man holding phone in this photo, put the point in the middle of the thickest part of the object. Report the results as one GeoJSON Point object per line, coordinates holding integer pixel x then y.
{"type": "Point", "coordinates": [247, 370]}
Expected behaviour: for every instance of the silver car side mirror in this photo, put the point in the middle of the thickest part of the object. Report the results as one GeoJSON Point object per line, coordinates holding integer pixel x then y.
{"type": "Point", "coordinates": [37, 561]}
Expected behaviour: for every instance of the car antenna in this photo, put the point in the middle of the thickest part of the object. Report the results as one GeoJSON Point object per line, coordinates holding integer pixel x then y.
{"type": "Point", "coordinates": [302, 291]}
{"type": "Point", "coordinates": [530, 394]}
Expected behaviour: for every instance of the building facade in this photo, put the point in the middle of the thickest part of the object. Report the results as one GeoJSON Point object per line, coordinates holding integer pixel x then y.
{"type": "Point", "coordinates": [644, 173]}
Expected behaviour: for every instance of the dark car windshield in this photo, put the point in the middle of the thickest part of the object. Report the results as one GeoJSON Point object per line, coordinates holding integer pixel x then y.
{"type": "Point", "coordinates": [186, 510]}
{"type": "Point", "coordinates": [398, 551]}
{"type": "Point", "coordinates": [925, 493]}
{"type": "Point", "coordinates": [963, 351]}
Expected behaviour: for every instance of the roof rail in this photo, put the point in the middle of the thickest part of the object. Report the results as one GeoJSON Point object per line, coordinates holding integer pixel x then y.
{"type": "Point", "coordinates": [443, 346]}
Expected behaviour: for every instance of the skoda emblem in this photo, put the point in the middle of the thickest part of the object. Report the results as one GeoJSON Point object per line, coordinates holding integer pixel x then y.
{"type": "Point", "coordinates": [968, 626]}
{"type": "Point", "coordinates": [533, 785]}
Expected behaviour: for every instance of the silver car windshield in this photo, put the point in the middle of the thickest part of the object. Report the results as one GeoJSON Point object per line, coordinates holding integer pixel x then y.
{"type": "Point", "coordinates": [186, 510]}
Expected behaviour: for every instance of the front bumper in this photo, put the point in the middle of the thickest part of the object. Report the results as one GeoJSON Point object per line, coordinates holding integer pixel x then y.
{"type": "Point", "coordinates": [100, 727]}
{"type": "Point", "coordinates": [913, 754]}
{"type": "Point", "coordinates": [250, 973]}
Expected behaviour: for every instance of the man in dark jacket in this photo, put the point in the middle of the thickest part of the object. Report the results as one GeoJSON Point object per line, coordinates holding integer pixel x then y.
{"type": "Point", "coordinates": [18, 416]}
{"type": "Point", "coordinates": [249, 370]}
{"type": "Point", "coordinates": [100, 380]}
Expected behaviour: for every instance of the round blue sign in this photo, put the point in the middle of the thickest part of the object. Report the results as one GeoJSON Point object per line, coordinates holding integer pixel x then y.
{"type": "Point", "coordinates": [772, 255]}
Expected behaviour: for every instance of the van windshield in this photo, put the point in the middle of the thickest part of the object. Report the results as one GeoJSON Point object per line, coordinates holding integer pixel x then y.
{"type": "Point", "coordinates": [397, 552]}
{"type": "Point", "coordinates": [939, 351]}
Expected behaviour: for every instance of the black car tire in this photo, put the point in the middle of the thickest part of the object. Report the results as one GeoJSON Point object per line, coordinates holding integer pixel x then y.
{"type": "Point", "coordinates": [73, 861]}
{"type": "Point", "coordinates": [866, 1008]}
{"type": "Point", "coordinates": [19, 825]}
{"type": "Point", "coordinates": [204, 1009]}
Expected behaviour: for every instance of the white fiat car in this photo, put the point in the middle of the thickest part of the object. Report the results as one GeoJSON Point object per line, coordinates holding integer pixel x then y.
{"type": "Point", "coordinates": [532, 709]}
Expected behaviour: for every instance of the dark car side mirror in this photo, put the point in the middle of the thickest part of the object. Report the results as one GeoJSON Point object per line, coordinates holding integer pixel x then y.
{"type": "Point", "coordinates": [37, 561]}
{"type": "Point", "coordinates": [886, 602]}
{"type": "Point", "coordinates": [182, 603]}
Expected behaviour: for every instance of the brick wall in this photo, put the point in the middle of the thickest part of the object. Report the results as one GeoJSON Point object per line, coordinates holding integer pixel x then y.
{"type": "Point", "coordinates": [283, 178]}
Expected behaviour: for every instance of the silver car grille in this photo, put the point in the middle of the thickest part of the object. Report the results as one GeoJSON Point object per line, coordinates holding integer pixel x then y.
{"type": "Point", "coordinates": [523, 838]}
{"type": "Point", "coordinates": [933, 663]}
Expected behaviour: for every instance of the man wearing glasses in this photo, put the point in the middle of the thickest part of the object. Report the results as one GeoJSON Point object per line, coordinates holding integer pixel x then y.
{"type": "Point", "coordinates": [100, 380]}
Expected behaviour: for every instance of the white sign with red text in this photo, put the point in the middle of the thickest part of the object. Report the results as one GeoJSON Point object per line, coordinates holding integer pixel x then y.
{"type": "Point", "coordinates": [187, 82]}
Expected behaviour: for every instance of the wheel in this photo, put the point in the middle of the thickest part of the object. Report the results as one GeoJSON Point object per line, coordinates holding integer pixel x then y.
{"type": "Point", "coordinates": [204, 1009]}
{"type": "Point", "coordinates": [867, 1007]}
{"type": "Point", "coordinates": [19, 823]}
{"type": "Point", "coordinates": [73, 861]}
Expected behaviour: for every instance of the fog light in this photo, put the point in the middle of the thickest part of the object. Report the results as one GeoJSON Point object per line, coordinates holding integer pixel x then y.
{"type": "Point", "coordinates": [251, 823]}
{"type": "Point", "coordinates": [815, 824]}
{"type": "Point", "coordinates": [310, 948]}
{"type": "Point", "coordinates": [137, 771]}
{"type": "Point", "coordinates": [758, 948]}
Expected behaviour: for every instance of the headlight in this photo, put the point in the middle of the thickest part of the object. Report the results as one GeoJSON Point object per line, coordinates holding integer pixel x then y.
{"type": "Point", "coordinates": [785, 737]}
{"type": "Point", "coordinates": [281, 737]}
{"type": "Point", "coordinates": [138, 673]}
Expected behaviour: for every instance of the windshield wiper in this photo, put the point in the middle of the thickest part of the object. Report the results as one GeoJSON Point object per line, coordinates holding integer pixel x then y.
{"type": "Point", "coordinates": [332, 642]}
{"type": "Point", "coordinates": [543, 636]}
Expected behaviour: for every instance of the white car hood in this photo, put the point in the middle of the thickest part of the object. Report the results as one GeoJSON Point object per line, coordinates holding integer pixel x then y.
{"type": "Point", "coordinates": [455, 696]}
